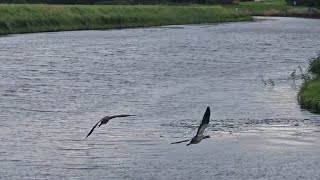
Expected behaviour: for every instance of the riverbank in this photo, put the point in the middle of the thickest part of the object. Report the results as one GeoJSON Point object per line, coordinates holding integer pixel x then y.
{"type": "Point", "coordinates": [24, 18]}
{"type": "Point", "coordinates": [275, 8]}
{"type": "Point", "coordinates": [309, 95]}
{"type": "Point", "coordinates": [27, 18]}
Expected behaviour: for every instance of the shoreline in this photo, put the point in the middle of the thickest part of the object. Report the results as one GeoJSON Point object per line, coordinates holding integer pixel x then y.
{"type": "Point", "coordinates": [309, 96]}
{"type": "Point", "coordinates": [309, 93]}
{"type": "Point", "coordinates": [31, 18]}
{"type": "Point", "coordinates": [17, 18]}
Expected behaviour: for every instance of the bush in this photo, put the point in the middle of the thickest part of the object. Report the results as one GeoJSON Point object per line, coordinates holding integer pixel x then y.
{"type": "Point", "coordinates": [314, 65]}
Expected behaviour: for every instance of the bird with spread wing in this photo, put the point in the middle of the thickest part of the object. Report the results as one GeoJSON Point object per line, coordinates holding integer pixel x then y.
{"type": "Point", "coordinates": [199, 137]}
{"type": "Point", "coordinates": [105, 120]}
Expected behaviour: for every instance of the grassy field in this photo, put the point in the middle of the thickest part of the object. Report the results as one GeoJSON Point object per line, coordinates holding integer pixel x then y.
{"type": "Point", "coordinates": [309, 95]}
{"type": "Point", "coordinates": [39, 18]}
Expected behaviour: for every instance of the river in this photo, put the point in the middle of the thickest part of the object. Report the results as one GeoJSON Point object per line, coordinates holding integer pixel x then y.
{"type": "Point", "coordinates": [55, 86]}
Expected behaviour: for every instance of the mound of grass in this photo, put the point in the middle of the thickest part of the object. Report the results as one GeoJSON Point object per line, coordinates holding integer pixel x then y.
{"type": "Point", "coordinates": [309, 95]}
{"type": "Point", "coordinates": [25, 18]}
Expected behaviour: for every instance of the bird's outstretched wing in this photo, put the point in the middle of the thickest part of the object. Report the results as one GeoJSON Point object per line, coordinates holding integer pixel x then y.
{"type": "Point", "coordinates": [205, 122]}
{"type": "Point", "coordinates": [181, 141]}
{"type": "Point", "coordinates": [105, 120]}
{"type": "Point", "coordinates": [120, 115]}
{"type": "Point", "coordinates": [93, 129]}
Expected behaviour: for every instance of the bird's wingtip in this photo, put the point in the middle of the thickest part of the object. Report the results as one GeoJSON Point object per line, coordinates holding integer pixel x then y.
{"type": "Point", "coordinates": [207, 110]}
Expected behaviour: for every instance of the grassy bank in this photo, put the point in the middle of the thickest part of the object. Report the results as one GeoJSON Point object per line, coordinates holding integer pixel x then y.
{"type": "Point", "coordinates": [275, 8]}
{"type": "Point", "coordinates": [24, 18]}
{"type": "Point", "coordinates": [39, 18]}
{"type": "Point", "coordinates": [309, 95]}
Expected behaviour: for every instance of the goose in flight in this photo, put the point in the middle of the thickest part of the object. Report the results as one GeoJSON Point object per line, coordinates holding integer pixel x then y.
{"type": "Point", "coordinates": [105, 120]}
{"type": "Point", "coordinates": [199, 137]}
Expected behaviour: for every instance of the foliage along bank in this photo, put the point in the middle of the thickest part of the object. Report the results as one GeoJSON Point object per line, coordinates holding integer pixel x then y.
{"type": "Point", "coordinates": [309, 95]}
{"type": "Point", "coordinates": [24, 18]}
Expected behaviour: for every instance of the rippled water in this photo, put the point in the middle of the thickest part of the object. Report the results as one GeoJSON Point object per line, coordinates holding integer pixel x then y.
{"type": "Point", "coordinates": [55, 86]}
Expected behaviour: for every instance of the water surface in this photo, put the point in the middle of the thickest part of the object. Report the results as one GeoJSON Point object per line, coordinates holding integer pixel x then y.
{"type": "Point", "coordinates": [55, 86]}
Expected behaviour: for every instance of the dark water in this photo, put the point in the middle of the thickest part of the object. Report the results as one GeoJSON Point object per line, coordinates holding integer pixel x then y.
{"type": "Point", "coordinates": [55, 86]}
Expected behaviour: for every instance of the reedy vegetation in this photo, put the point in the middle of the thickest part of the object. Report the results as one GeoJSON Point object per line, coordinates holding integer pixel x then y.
{"type": "Point", "coordinates": [24, 18]}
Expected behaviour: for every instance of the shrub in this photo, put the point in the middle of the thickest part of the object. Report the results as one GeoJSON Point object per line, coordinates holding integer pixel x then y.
{"type": "Point", "coordinates": [314, 65]}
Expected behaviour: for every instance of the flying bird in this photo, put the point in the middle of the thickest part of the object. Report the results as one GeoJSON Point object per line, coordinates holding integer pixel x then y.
{"type": "Point", "coordinates": [105, 120]}
{"type": "Point", "coordinates": [199, 137]}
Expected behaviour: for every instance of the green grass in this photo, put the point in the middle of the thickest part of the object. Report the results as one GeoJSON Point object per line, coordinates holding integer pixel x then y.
{"type": "Point", "coordinates": [314, 65]}
{"type": "Point", "coordinates": [274, 8]}
{"type": "Point", "coordinates": [25, 18]}
{"type": "Point", "coordinates": [309, 95]}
